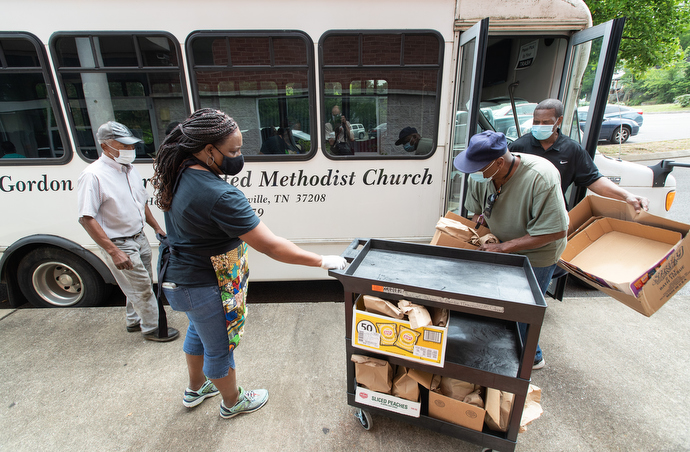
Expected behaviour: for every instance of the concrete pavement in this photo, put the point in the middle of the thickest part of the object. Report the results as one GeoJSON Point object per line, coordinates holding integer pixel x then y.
{"type": "Point", "coordinates": [74, 379]}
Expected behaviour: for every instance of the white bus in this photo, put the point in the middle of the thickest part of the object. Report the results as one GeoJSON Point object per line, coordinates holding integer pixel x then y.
{"type": "Point", "coordinates": [66, 67]}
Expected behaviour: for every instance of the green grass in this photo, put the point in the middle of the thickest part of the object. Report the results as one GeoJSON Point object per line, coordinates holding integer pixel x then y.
{"type": "Point", "coordinates": [662, 108]}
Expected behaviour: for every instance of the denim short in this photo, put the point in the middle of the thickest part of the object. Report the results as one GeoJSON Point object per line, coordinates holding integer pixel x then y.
{"type": "Point", "coordinates": [206, 334]}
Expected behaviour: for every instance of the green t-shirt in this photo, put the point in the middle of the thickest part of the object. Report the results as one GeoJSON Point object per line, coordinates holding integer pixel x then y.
{"type": "Point", "coordinates": [531, 202]}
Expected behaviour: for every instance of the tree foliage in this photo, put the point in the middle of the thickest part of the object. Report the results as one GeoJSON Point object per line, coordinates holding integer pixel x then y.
{"type": "Point", "coordinates": [652, 28]}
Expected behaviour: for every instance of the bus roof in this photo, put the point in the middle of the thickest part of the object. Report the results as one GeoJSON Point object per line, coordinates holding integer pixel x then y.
{"type": "Point", "coordinates": [536, 16]}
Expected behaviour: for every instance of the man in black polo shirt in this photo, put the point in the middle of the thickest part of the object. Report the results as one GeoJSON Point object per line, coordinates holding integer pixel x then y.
{"type": "Point", "coordinates": [566, 154]}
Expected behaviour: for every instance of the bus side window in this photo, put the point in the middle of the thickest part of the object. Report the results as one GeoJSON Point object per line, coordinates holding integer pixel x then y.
{"type": "Point", "coordinates": [29, 125]}
{"type": "Point", "coordinates": [262, 80]}
{"type": "Point", "coordinates": [132, 79]}
{"type": "Point", "coordinates": [387, 86]}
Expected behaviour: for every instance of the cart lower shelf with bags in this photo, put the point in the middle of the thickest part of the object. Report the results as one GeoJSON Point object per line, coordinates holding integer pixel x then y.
{"type": "Point", "coordinates": [486, 294]}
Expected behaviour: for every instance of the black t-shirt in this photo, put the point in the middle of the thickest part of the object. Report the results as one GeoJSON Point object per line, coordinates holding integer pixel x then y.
{"type": "Point", "coordinates": [207, 215]}
{"type": "Point", "coordinates": [566, 154]}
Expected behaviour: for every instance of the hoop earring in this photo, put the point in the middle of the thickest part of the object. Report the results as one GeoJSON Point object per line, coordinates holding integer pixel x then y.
{"type": "Point", "coordinates": [213, 160]}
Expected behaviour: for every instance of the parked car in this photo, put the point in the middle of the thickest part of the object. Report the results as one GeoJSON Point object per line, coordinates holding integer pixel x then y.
{"type": "Point", "coordinates": [615, 111]}
{"type": "Point", "coordinates": [359, 131]}
{"type": "Point", "coordinates": [613, 129]}
{"type": "Point", "coordinates": [504, 118]}
{"type": "Point", "coordinates": [499, 112]}
{"type": "Point", "coordinates": [616, 130]}
{"type": "Point", "coordinates": [379, 131]}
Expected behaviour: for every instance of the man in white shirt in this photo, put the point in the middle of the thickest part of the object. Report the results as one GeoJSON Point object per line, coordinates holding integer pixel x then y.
{"type": "Point", "coordinates": [113, 209]}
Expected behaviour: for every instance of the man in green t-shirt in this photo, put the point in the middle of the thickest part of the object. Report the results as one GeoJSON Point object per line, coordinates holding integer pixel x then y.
{"type": "Point", "coordinates": [518, 196]}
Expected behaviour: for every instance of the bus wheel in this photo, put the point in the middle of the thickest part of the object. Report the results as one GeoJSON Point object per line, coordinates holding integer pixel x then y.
{"type": "Point", "coordinates": [55, 278]}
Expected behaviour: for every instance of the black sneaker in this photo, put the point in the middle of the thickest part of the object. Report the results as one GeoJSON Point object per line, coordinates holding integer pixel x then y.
{"type": "Point", "coordinates": [134, 328]}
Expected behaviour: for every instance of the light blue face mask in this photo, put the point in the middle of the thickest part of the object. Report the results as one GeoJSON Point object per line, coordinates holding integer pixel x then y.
{"type": "Point", "coordinates": [408, 147]}
{"type": "Point", "coordinates": [479, 176]}
{"type": "Point", "coordinates": [542, 132]}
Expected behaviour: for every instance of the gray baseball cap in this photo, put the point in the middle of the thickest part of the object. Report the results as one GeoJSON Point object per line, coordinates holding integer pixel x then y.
{"type": "Point", "coordinates": [112, 130]}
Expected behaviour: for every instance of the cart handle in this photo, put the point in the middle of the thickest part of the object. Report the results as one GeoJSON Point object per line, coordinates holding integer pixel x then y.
{"type": "Point", "coordinates": [351, 252]}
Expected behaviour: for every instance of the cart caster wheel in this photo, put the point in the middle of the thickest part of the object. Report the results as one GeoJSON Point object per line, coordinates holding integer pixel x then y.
{"type": "Point", "coordinates": [364, 418]}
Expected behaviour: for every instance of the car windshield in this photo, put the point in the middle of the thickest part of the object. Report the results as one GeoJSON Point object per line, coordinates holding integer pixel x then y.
{"type": "Point", "coordinates": [499, 112]}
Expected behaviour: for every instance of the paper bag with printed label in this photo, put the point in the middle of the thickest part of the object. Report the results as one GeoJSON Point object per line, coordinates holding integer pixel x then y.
{"type": "Point", "coordinates": [372, 373]}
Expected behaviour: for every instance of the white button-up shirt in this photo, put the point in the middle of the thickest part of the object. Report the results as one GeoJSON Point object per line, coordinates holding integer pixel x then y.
{"type": "Point", "coordinates": [114, 195]}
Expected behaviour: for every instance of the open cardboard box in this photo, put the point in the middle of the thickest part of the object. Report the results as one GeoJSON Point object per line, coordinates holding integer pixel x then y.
{"type": "Point", "coordinates": [442, 238]}
{"type": "Point", "coordinates": [457, 412]}
{"type": "Point", "coordinates": [657, 278]}
{"type": "Point", "coordinates": [426, 344]}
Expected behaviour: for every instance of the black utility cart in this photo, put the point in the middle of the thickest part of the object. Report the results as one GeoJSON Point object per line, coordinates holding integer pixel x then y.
{"type": "Point", "coordinates": [486, 294]}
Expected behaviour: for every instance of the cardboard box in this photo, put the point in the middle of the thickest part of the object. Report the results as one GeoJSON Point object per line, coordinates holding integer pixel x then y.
{"type": "Point", "coordinates": [426, 344]}
{"type": "Point", "coordinates": [455, 411]}
{"type": "Point", "coordinates": [442, 238]}
{"type": "Point", "coordinates": [387, 402]}
{"type": "Point", "coordinates": [657, 282]}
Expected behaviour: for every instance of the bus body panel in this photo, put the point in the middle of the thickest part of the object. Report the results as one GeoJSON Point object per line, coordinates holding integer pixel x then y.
{"type": "Point", "coordinates": [320, 203]}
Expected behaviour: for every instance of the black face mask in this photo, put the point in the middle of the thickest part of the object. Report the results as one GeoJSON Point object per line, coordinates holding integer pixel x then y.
{"type": "Point", "coordinates": [232, 166]}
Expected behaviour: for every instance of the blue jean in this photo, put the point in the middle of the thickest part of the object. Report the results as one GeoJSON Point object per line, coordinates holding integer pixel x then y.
{"type": "Point", "coordinates": [543, 275]}
{"type": "Point", "coordinates": [207, 334]}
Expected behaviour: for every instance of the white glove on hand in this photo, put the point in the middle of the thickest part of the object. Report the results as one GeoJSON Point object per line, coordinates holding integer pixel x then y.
{"type": "Point", "coordinates": [333, 262]}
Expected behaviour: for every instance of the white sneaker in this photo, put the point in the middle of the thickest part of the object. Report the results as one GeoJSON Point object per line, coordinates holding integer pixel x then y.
{"type": "Point", "coordinates": [247, 402]}
{"type": "Point", "coordinates": [539, 365]}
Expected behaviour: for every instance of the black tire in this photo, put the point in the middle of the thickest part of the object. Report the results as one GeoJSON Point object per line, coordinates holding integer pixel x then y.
{"type": "Point", "coordinates": [54, 278]}
{"type": "Point", "coordinates": [620, 135]}
{"type": "Point", "coordinates": [361, 135]}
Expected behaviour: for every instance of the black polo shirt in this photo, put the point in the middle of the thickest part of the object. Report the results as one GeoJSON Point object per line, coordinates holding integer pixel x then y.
{"type": "Point", "coordinates": [566, 154]}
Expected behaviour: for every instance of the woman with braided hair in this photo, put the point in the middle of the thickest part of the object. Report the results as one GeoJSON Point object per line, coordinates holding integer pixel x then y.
{"type": "Point", "coordinates": [209, 224]}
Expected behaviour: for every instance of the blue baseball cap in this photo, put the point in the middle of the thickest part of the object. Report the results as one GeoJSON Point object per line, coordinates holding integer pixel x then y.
{"type": "Point", "coordinates": [483, 149]}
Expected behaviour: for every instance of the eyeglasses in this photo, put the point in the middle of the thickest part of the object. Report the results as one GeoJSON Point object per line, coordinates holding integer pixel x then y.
{"type": "Point", "coordinates": [490, 203]}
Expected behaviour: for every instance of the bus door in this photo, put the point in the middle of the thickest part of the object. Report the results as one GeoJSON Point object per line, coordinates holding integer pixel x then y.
{"type": "Point", "coordinates": [468, 88]}
{"type": "Point", "coordinates": [589, 66]}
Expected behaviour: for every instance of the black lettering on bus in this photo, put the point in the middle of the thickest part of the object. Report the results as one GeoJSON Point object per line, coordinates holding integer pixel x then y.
{"type": "Point", "coordinates": [7, 186]}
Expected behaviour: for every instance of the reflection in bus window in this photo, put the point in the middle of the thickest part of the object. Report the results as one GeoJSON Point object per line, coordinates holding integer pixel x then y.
{"type": "Point", "coordinates": [262, 82]}
{"type": "Point", "coordinates": [28, 126]}
{"type": "Point", "coordinates": [382, 83]}
{"type": "Point", "coordinates": [131, 79]}
{"type": "Point", "coordinates": [579, 94]}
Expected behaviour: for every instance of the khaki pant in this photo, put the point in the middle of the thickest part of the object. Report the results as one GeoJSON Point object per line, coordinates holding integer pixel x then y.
{"type": "Point", "coordinates": [137, 283]}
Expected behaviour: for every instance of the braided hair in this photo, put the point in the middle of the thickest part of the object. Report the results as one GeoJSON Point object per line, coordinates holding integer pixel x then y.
{"type": "Point", "coordinates": [203, 127]}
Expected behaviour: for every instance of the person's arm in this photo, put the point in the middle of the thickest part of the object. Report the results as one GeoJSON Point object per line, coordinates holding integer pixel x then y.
{"type": "Point", "coordinates": [151, 220]}
{"type": "Point", "coordinates": [330, 135]}
{"type": "Point", "coordinates": [604, 187]}
{"type": "Point", "coordinates": [96, 232]}
{"type": "Point", "coordinates": [348, 129]}
{"type": "Point", "coordinates": [526, 242]}
{"type": "Point", "coordinates": [263, 240]}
